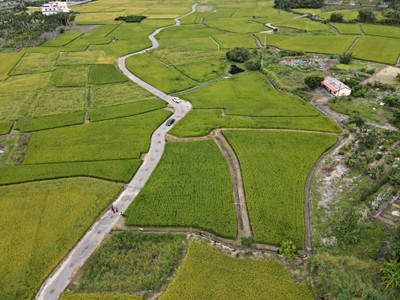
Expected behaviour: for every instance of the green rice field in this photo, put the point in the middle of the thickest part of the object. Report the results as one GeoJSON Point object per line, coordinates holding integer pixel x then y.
{"type": "Point", "coordinates": [8, 61]}
{"type": "Point", "coordinates": [206, 273]}
{"type": "Point", "coordinates": [233, 95]}
{"type": "Point", "coordinates": [326, 44]}
{"type": "Point", "coordinates": [104, 140]}
{"type": "Point", "coordinates": [29, 124]}
{"type": "Point", "coordinates": [121, 170]}
{"type": "Point", "coordinates": [145, 261]}
{"type": "Point", "coordinates": [35, 63]}
{"type": "Point", "coordinates": [200, 122]}
{"type": "Point", "coordinates": [275, 165]}
{"type": "Point", "coordinates": [32, 249]}
{"type": "Point", "coordinates": [181, 193]}
{"type": "Point", "coordinates": [116, 94]}
{"type": "Point", "coordinates": [385, 50]}
{"type": "Point", "coordinates": [303, 24]}
{"type": "Point", "coordinates": [102, 74]}
{"type": "Point", "coordinates": [69, 76]}
{"type": "Point", "coordinates": [153, 71]}
{"type": "Point", "coordinates": [125, 110]}
{"type": "Point", "coordinates": [99, 296]}
{"type": "Point", "coordinates": [352, 29]}
{"type": "Point", "coordinates": [380, 30]}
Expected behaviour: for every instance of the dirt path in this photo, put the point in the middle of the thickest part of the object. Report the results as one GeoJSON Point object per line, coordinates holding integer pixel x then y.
{"type": "Point", "coordinates": [242, 215]}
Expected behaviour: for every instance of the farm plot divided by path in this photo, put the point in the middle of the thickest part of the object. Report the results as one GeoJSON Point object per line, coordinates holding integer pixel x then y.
{"type": "Point", "coordinates": [248, 101]}
{"type": "Point", "coordinates": [275, 166]}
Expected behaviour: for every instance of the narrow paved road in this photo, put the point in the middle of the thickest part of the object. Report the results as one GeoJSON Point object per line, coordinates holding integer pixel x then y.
{"type": "Point", "coordinates": [61, 277]}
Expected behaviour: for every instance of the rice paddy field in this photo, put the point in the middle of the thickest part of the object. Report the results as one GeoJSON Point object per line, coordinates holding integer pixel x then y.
{"type": "Point", "coordinates": [104, 140]}
{"type": "Point", "coordinates": [158, 74]}
{"type": "Point", "coordinates": [352, 29]}
{"type": "Point", "coordinates": [8, 61]}
{"type": "Point", "coordinates": [75, 126]}
{"type": "Point", "coordinates": [145, 261]}
{"type": "Point", "coordinates": [206, 273]}
{"type": "Point", "coordinates": [326, 44]}
{"type": "Point", "coordinates": [385, 50]}
{"type": "Point", "coordinates": [200, 122]}
{"type": "Point", "coordinates": [380, 30]}
{"type": "Point", "coordinates": [187, 194]}
{"type": "Point", "coordinates": [33, 239]}
{"type": "Point", "coordinates": [275, 165]}
{"type": "Point", "coordinates": [303, 24]}
{"type": "Point", "coordinates": [236, 96]}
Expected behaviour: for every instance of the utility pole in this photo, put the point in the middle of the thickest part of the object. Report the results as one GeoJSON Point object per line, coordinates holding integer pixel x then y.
{"type": "Point", "coordinates": [307, 26]}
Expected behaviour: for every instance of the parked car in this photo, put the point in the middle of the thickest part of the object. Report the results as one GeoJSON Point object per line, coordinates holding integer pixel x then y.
{"type": "Point", "coordinates": [170, 122]}
{"type": "Point", "coordinates": [176, 100]}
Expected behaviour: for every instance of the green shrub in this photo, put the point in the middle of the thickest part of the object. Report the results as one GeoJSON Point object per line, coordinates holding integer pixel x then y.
{"type": "Point", "coordinates": [313, 81]}
{"type": "Point", "coordinates": [247, 241]}
{"type": "Point", "coordinates": [346, 58]}
{"type": "Point", "coordinates": [390, 271]}
{"type": "Point", "coordinates": [131, 19]}
{"type": "Point", "coordinates": [288, 249]}
{"type": "Point", "coordinates": [336, 17]}
{"type": "Point", "coordinates": [238, 54]}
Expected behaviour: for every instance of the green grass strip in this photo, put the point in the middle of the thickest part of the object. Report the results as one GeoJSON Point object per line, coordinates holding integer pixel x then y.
{"type": "Point", "coordinates": [118, 170]}
{"type": "Point", "coordinates": [47, 122]}
{"type": "Point", "coordinates": [125, 110]}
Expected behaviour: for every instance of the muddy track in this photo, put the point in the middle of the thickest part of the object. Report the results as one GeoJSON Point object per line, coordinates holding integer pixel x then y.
{"type": "Point", "coordinates": [242, 215]}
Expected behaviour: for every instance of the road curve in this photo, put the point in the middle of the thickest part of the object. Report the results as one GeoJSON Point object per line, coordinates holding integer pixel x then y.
{"type": "Point", "coordinates": [55, 284]}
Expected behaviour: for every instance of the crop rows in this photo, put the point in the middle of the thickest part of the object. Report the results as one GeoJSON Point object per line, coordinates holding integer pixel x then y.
{"type": "Point", "coordinates": [183, 193]}
{"type": "Point", "coordinates": [117, 170]}
{"type": "Point", "coordinates": [122, 138]}
{"type": "Point", "coordinates": [37, 229]}
{"type": "Point", "coordinates": [275, 167]}
{"type": "Point", "coordinates": [140, 262]}
{"type": "Point", "coordinates": [233, 95]}
{"type": "Point", "coordinates": [200, 122]}
{"type": "Point", "coordinates": [206, 273]}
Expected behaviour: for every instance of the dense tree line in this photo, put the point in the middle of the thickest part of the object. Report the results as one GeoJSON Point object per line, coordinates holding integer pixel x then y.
{"type": "Point", "coordinates": [287, 4]}
{"type": "Point", "coordinates": [19, 29]}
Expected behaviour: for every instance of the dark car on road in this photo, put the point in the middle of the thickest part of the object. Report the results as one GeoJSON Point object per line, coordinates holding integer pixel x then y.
{"type": "Point", "coordinates": [170, 122]}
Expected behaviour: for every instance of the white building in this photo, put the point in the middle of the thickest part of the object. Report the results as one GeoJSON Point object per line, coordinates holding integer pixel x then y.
{"type": "Point", "coordinates": [55, 8]}
{"type": "Point", "coordinates": [336, 87]}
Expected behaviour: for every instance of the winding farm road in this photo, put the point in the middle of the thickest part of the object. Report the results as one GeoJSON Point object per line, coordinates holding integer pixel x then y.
{"type": "Point", "coordinates": [61, 277]}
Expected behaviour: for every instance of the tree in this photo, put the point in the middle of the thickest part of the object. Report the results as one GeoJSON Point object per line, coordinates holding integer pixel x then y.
{"type": "Point", "coordinates": [287, 4]}
{"type": "Point", "coordinates": [366, 16]}
{"type": "Point", "coordinates": [398, 77]}
{"type": "Point", "coordinates": [336, 17]}
{"type": "Point", "coordinates": [238, 54]}
{"type": "Point", "coordinates": [253, 65]}
{"type": "Point", "coordinates": [313, 81]}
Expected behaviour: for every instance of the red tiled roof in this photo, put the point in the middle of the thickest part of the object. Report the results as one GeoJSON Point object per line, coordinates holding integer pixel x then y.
{"type": "Point", "coordinates": [330, 87]}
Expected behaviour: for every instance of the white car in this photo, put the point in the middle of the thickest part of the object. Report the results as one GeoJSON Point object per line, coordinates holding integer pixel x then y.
{"type": "Point", "coordinates": [176, 100]}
